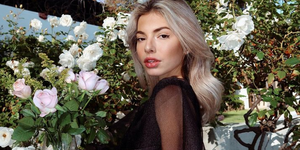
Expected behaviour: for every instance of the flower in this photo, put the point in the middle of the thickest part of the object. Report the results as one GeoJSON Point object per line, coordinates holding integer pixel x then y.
{"type": "Point", "coordinates": [66, 59]}
{"type": "Point", "coordinates": [5, 137]}
{"type": "Point", "coordinates": [123, 18]}
{"type": "Point", "coordinates": [74, 50]}
{"type": "Point", "coordinates": [44, 72]}
{"type": "Point", "coordinates": [79, 30]}
{"type": "Point", "coordinates": [70, 38]}
{"type": "Point", "coordinates": [45, 100]}
{"type": "Point", "coordinates": [87, 80]}
{"type": "Point", "coordinates": [232, 41]}
{"type": "Point", "coordinates": [94, 52]}
{"type": "Point", "coordinates": [112, 35]}
{"type": "Point", "coordinates": [85, 64]}
{"type": "Point", "coordinates": [66, 20]}
{"type": "Point", "coordinates": [24, 148]}
{"type": "Point", "coordinates": [21, 90]}
{"type": "Point", "coordinates": [109, 23]}
{"type": "Point", "coordinates": [102, 85]}
{"type": "Point", "coordinates": [71, 76]}
{"type": "Point", "coordinates": [244, 24]}
{"type": "Point", "coordinates": [120, 115]}
{"type": "Point", "coordinates": [41, 38]}
{"type": "Point", "coordinates": [36, 24]}
{"type": "Point", "coordinates": [122, 35]}
{"type": "Point", "coordinates": [54, 22]}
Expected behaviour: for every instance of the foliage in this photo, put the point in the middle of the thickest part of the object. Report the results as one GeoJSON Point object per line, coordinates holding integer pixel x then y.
{"type": "Point", "coordinates": [80, 113]}
{"type": "Point", "coordinates": [268, 61]}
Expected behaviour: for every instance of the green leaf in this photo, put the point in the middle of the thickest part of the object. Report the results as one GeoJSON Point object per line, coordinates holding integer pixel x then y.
{"type": "Point", "coordinates": [27, 113]}
{"type": "Point", "coordinates": [91, 136]}
{"type": "Point", "coordinates": [270, 78]}
{"type": "Point", "coordinates": [281, 75]}
{"type": "Point", "coordinates": [21, 134]}
{"type": "Point", "coordinates": [260, 55]}
{"type": "Point", "coordinates": [66, 138]}
{"type": "Point", "coordinates": [103, 136]}
{"type": "Point", "coordinates": [253, 119]}
{"type": "Point", "coordinates": [101, 114]}
{"type": "Point", "coordinates": [76, 131]}
{"type": "Point", "coordinates": [64, 120]}
{"type": "Point", "coordinates": [292, 61]}
{"type": "Point", "coordinates": [26, 122]}
{"type": "Point", "coordinates": [35, 109]}
{"type": "Point", "coordinates": [72, 105]}
{"type": "Point", "coordinates": [58, 107]}
{"type": "Point", "coordinates": [276, 91]}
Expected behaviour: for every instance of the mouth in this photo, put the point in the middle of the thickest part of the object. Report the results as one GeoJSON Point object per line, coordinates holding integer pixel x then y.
{"type": "Point", "coordinates": [151, 62]}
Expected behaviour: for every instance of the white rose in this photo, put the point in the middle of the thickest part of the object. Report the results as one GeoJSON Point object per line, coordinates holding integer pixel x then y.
{"type": "Point", "coordinates": [24, 148]}
{"type": "Point", "coordinates": [93, 52]}
{"type": "Point", "coordinates": [101, 1]}
{"type": "Point", "coordinates": [25, 72]}
{"type": "Point", "coordinates": [85, 64]}
{"type": "Point", "coordinates": [122, 35]}
{"type": "Point", "coordinates": [12, 64]}
{"type": "Point", "coordinates": [5, 137]}
{"type": "Point", "coordinates": [100, 38]}
{"type": "Point", "coordinates": [109, 23]}
{"type": "Point", "coordinates": [83, 24]}
{"type": "Point", "coordinates": [120, 115]}
{"type": "Point", "coordinates": [221, 10]}
{"type": "Point", "coordinates": [232, 41]}
{"type": "Point", "coordinates": [70, 38]}
{"type": "Point", "coordinates": [66, 20]}
{"type": "Point", "coordinates": [244, 24]}
{"type": "Point", "coordinates": [84, 36]}
{"type": "Point", "coordinates": [123, 18]}
{"type": "Point", "coordinates": [74, 50]}
{"type": "Point", "coordinates": [54, 22]}
{"type": "Point", "coordinates": [66, 59]}
{"type": "Point", "coordinates": [79, 30]}
{"type": "Point", "coordinates": [44, 72]}
{"type": "Point", "coordinates": [228, 16]}
{"type": "Point", "coordinates": [36, 24]}
{"type": "Point", "coordinates": [28, 65]}
{"type": "Point", "coordinates": [125, 76]}
{"type": "Point", "coordinates": [112, 35]}
{"type": "Point", "coordinates": [41, 38]}
{"type": "Point", "coordinates": [223, 3]}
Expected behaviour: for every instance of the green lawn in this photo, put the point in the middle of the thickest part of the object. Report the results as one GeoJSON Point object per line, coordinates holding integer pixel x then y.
{"type": "Point", "coordinates": [235, 116]}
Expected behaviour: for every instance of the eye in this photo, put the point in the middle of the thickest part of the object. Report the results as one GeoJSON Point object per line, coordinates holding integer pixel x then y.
{"type": "Point", "coordinates": [140, 39]}
{"type": "Point", "coordinates": [164, 36]}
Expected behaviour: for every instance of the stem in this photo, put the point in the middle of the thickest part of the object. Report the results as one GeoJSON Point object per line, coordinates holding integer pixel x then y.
{"type": "Point", "coordinates": [87, 103]}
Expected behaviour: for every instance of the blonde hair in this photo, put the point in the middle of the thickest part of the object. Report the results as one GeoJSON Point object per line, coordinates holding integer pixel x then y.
{"type": "Point", "coordinates": [197, 63]}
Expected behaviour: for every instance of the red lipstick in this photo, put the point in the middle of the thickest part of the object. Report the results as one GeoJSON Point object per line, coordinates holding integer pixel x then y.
{"type": "Point", "coordinates": [151, 62]}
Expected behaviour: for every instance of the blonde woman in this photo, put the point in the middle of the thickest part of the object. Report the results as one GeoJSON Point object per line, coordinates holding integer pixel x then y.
{"type": "Point", "coordinates": [173, 61]}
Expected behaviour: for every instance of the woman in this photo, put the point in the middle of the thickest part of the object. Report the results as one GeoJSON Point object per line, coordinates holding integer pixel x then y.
{"type": "Point", "coordinates": [173, 61]}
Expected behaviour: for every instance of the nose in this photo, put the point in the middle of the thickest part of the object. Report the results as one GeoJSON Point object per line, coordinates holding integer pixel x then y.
{"type": "Point", "coordinates": [150, 46]}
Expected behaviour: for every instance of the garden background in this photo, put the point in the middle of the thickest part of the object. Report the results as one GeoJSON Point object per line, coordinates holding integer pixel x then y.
{"type": "Point", "coordinates": [256, 45]}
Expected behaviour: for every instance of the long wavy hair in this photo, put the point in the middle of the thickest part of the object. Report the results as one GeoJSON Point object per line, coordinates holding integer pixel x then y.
{"type": "Point", "coordinates": [198, 60]}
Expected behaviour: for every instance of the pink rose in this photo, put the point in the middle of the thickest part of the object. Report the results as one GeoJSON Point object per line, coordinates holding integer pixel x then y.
{"type": "Point", "coordinates": [71, 76]}
{"type": "Point", "coordinates": [21, 90]}
{"type": "Point", "coordinates": [87, 80]}
{"type": "Point", "coordinates": [46, 100]}
{"type": "Point", "coordinates": [102, 85]}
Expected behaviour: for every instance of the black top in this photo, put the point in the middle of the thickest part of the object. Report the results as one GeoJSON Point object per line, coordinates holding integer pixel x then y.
{"type": "Point", "coordinates": [170, 119]}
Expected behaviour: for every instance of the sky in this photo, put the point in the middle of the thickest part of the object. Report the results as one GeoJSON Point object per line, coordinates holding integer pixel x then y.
{"type": "Point", "coordinates": [29, 15]}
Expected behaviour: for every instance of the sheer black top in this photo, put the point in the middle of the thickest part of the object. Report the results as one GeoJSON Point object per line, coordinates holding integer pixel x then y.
{"type": "Point", "coordinates": [169, 120]}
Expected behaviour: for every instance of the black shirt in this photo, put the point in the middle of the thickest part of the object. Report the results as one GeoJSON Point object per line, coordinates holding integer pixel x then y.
{"type": "Point", "coordinates": [170, 119]}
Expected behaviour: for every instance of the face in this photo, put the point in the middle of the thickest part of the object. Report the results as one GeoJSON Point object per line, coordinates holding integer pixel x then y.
{"type": "Point", "coordinates": [158, 49]}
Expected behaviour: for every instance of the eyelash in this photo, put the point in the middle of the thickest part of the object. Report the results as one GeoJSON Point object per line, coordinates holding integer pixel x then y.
{"type": "Point", "coordinates": [164, 36]}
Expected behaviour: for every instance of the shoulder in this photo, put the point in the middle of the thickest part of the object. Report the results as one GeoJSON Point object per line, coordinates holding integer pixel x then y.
{"type": "Point", "coordinates": [171, 86]}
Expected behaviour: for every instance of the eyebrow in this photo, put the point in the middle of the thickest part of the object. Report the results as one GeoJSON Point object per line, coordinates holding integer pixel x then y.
{"type": "Point", "coordinates": [156, 30]}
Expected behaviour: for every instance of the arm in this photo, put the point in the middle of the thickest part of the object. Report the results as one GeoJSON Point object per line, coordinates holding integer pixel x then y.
{"type": "Point", "coordinates": [169, 115]}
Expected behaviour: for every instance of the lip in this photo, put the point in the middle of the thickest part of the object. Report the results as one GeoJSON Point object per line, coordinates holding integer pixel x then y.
{"type": "Point", "coordinates": [151, 62]}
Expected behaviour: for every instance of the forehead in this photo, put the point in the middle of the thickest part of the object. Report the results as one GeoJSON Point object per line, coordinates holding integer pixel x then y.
{"type": "Point", "coordinates": [151, 21]}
